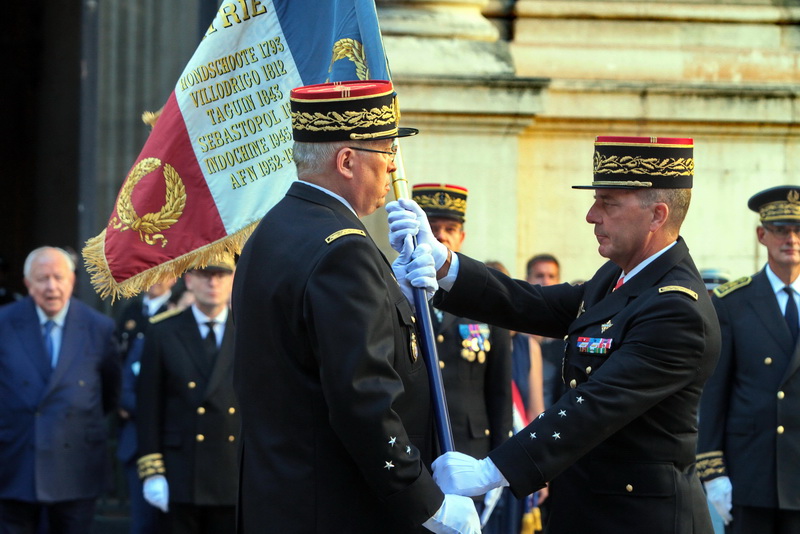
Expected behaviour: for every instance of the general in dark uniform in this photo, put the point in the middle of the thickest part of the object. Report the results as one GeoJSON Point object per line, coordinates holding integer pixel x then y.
{"type": "Point", "coordinates": [618, 448]}
{"type": "Point", "coordinates": [337, 421]}
{"type": "Point", "coordinates": [749, 448]}
{"type": "Point", "coordinates": [188, 418]}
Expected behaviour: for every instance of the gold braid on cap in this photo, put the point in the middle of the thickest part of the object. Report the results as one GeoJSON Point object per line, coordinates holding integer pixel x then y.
{"type": "Point", "coordinates": [640, 165]}
{"type": "Point", "coordinates": [441, 201]}
{"type": "Point", "coordinates": [346, 120]}
{"type": "Point", "coordinates": [782, 209]}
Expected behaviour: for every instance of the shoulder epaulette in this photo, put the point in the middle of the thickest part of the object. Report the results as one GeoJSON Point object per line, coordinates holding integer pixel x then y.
{"type": "Point", "coordinates": [679, 289]}
{"type": "Point", "coordinates": [341, 233]}
{"type": "Point", "coordinates": [729, 287]}
{"type": "Point", "coordinates": [157, 318]}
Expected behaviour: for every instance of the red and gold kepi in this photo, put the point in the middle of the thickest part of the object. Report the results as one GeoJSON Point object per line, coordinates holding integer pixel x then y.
{"type": "Point", "coordinates": [346, 111]}
{"type": "Point", "coordinates": [441, 200]}
{"type": "Point", "coordinates": [642, 162]}
{"type": "Point", "coordinates": [777, 205]}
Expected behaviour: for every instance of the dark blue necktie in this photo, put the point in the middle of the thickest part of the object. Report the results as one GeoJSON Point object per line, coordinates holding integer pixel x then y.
{"type": "Point", "coordinates": [210, 342]}
{"type": "Point", "coordinates": [791, 314]}
{"type": "Point", "coordinates": [48, 341]}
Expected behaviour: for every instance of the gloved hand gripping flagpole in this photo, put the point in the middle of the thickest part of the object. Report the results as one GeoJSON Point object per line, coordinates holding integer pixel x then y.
{"type": "Point", "coordinates": [443, 430]}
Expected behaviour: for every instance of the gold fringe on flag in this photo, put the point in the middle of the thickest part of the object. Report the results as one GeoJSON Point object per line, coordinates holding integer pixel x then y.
{"type": "Point", "coordinates": [94, 258]}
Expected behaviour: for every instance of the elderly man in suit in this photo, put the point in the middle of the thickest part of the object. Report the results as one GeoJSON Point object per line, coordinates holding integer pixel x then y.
{"type": "Point", "coordinates": [641, 337]}
{"type": "Point", "coordinates": [336, 412]}
{"type": "Point", "coordinates": [59, 377]}
{"type": "Point", "coordinates": [188, 417]}
{"type": "Point", "coordinates": [749, 448]}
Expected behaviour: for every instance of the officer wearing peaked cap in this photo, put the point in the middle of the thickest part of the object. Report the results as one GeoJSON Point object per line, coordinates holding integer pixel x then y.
{"type": "Point", "coordinates": [641, 338]}
{"type": "Point", "coordinates": [337, 417]}
{"type": "Point", "coordinates": [749, 445]}
{"type": "Point", "coordinates": [188, 418]}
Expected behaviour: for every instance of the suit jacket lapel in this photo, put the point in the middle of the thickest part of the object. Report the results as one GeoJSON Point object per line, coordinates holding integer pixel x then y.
{"type": "Point", "coordinates": [189, 334]}
{"type": "Point", "coordinates": [224, 361]}
{"type": "Point", "coordinates": [72, 341]}
{"type": "Point", "coordinates": [29, 332]}
{"type": "Point", "coordinates": [765, 305]}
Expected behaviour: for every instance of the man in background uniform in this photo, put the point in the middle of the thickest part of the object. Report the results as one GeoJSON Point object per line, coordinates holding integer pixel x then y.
{"type": "Point", "coordinates": [475, 357]}
{"type": "Point", "coordinates": [749, 447]}
{"type": "Point", "coordinates": [188, 417]}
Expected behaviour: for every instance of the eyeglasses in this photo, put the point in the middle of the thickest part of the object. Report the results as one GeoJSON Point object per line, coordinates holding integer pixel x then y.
{"type": "Point", "coordinates": [393, 152]}
{"type": "Point", "coordinates": [782, 231]}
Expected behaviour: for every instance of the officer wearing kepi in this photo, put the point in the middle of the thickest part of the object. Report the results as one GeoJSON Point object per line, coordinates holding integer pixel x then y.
{"type": "Point", "coordinates": [618, 448]}
{"type": "Point", "coordinates": [475, 357]}
{"type": "Point", "coordinates": [749, 446]}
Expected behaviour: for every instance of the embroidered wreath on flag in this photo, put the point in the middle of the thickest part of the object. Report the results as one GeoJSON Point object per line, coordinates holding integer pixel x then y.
{"type": "Point", "coordinates": [150, 225]}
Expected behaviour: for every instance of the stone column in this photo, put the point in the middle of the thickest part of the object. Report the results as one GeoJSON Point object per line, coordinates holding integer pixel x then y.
{"type": "Point", "coordinates": [456, 82]}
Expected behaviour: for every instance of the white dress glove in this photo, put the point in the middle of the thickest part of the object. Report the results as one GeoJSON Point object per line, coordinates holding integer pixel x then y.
{"type": "Point", "coordinates": [457, 515]}
{"type": "Point", "coordinates": [407, 218]}
{"type": "Point", "coordinates": [414, 268]}
{"type": "Point", "coordinates": [719, 491]}
{"type": "Point", "coordinates": [461, 474]}
{"type": "Point", "coordinates": [156, 492]}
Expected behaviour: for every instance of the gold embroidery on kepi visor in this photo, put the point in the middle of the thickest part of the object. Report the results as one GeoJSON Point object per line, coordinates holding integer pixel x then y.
{"type": "Point", "coordinates": [642, 162]}
{"type": "Point", "coordinates": [346, 111]}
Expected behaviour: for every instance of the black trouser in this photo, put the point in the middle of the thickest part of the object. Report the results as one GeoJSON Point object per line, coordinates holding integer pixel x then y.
{"type": "Point", "coordinates": [192, 519]}
{"type": "Point", "coordinates": [66, 517]}
{"type": "Point", "coordinates": [754, 520]}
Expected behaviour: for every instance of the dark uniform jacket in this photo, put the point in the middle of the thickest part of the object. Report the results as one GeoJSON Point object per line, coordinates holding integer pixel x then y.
{"type": "Point", "coordinates": [619, 446]}
{"type": "Point", "coordinates": [131, 326]}
{"type": "Point", "coordinates": [476, 371]}
{"type": "Point", "coordinates": [338, 425]}
{"type": "Point", "coordinates": [53, 433]}
{"type": "Point", "coordinates": [187, 412]}
{"type": "Point", "coordinates": [750, 410]}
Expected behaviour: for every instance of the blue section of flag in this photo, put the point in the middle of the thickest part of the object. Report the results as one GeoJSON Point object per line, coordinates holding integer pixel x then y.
{"type": "Point", "coordinates": [312, 29]}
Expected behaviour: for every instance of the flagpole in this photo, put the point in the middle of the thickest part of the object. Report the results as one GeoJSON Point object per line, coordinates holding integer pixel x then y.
{"type": "Point", "coordinates": [427, 344]}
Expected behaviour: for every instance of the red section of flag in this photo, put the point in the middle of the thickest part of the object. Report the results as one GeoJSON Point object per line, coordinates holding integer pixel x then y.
{"type": "Point", "coordinates": [165, 213]}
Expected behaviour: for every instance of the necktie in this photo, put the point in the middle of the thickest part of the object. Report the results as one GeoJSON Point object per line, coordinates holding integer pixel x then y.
{"type": "Point", "coordinates": [48, 341]}
{"type": "Point", "coordinates": [619, 283]}
{"type": "Point", "coordinates": [791, 314]}
{"type": "Point", "coordinates": [210, 341]}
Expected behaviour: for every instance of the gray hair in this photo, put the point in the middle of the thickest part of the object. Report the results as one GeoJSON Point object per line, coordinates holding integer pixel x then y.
{"type": "Point", "coordinates": [312, 158]}
{"type": "Point", "coordinates": [677, 200]}
{"type": "Point", "coordinates": [35, 253]}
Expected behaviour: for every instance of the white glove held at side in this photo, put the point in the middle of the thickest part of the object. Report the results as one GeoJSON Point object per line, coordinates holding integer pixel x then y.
{"type": "Point", "coordinates": [461, 474]}
{"type": "Point", "coordinates": [457, 515]}
{"type": "Point", "coordinates": [156, 492]}
{"type": "Point", "coordinates": [407, 218]}
{"type": "Point", "coordinates": [719, 491]}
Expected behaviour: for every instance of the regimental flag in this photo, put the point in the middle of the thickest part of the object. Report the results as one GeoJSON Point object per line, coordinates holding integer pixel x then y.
{"type": "Point", "coordinates": [220, 154]}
